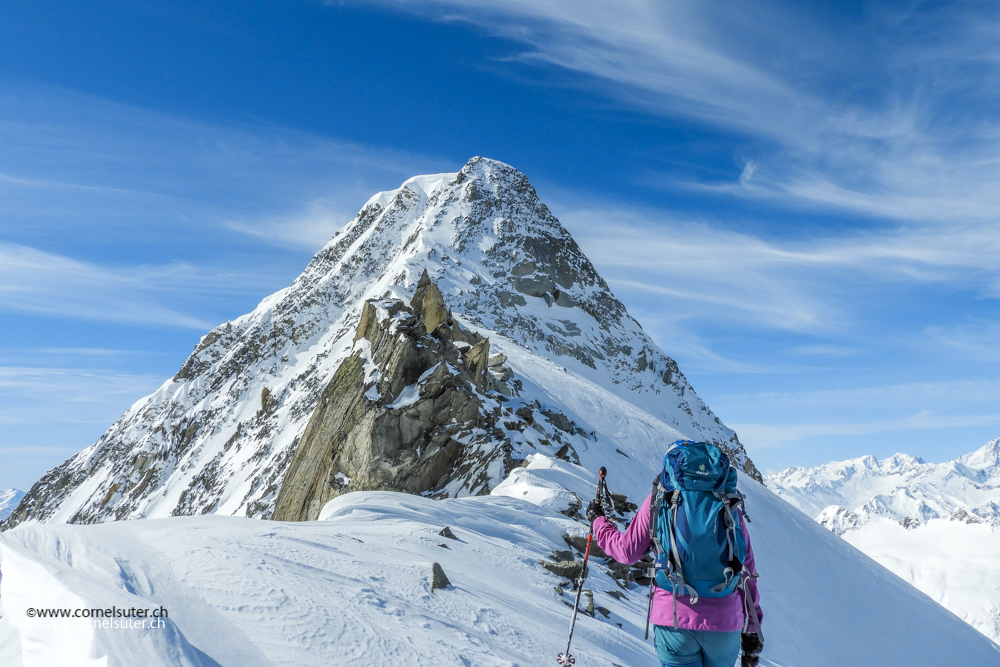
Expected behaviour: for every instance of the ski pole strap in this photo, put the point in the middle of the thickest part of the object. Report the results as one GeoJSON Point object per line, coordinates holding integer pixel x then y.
{"type": "Point", "coordinates": [604, 496]}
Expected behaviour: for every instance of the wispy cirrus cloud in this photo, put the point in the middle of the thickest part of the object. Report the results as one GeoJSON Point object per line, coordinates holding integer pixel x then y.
{"type": "Point", "coordinates": [44, 283]}
{"type": "Point", "coordinates": [980, 339]}
{"type": "Point", "coordinates": [888, 112]}
{"type": "Point", "coordinates": [123, 214]}
{"type": "Point", "coordinates": [78, 165]}
{"type": "Point", "coordinates": [73, 399]}
{"type": "Point", "coordinates": [897, 416]}
{"type": "Point", "coordinates": [704, 270]}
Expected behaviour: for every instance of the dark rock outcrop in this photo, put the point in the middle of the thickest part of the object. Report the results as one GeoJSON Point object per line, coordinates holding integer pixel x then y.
{"type": "Point", "coordinates": [413, 409]}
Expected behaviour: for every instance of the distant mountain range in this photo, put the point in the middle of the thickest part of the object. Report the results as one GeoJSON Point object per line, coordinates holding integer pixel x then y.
{"type": "Point", "coordinates": [845, 494]}
{"type": "Point", "coordinates": [936, 525]}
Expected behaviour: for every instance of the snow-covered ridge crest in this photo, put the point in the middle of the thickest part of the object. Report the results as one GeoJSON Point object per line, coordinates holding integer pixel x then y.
{"type": "Point", "coordinates": [372, 555]}
{"type": "Point", "coordinates": [219, 436]}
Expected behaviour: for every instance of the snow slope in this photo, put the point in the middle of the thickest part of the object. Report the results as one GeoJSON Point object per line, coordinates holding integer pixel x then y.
{"type": "Point", "coordinates": [354, 588]}
{"type": "Point", "coordinates": [955, 563]}
{"type": "Point", "coordinates": [8, 501]}
{"type": "Point", "coordinates": [950, 545]}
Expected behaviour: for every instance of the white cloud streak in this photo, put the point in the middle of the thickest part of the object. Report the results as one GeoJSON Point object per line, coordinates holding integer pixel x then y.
{"type": "Point", "coordinates": [38, 282]}
{"type": "Point", "coordinates": [75, 163]}
{"type": "Point", "coordinates": [787, 418]}
{"type": "Point", "coordinates": [68, 395]}
{"type": "Point", "coordinates": [888, 114]}
{"type": "Point", "coordinates": [98, 199]}
{"type": "Point", "coordinates": [700, 269]}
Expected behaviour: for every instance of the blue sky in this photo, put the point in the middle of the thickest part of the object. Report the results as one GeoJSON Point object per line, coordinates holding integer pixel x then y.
{"type": "Point", "coordinates": [797, 200]}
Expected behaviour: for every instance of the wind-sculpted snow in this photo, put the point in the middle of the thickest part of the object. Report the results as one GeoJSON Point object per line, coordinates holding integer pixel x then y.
{"type": "Point", "coordinates": [355, 587]}
{"type": "Point", "coordinates": [219, 436]}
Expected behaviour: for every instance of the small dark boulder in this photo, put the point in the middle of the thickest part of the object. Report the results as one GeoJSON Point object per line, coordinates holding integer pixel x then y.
{"type": "Point", "coordinates": [438, 578]}
{"type": "Point", "coordinates": [568, 569]}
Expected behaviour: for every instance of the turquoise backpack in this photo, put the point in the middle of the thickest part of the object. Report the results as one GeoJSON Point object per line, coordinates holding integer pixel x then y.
{"type": "Point", "coordinates": [700, 546]}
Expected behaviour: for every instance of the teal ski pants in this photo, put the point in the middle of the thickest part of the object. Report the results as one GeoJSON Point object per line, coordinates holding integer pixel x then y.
{"type": "Point", "coordinates": [696, 648]}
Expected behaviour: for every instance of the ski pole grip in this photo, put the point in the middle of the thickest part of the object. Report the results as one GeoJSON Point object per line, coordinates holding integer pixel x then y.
{"type": "Point", "coordinates": [602, 474]}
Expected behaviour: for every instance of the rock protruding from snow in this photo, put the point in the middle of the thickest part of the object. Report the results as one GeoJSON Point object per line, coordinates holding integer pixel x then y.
{"type": "Point", "coordinates": [838, 520]}
{"type": "Point", "coordinates": [219, 436]}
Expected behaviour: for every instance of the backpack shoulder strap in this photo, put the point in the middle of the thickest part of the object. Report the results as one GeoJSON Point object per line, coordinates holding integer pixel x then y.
{"type": "Point", "coordinates": [654, 508]}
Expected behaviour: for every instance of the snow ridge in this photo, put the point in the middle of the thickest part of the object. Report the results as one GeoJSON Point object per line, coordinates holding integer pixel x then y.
{"type": "Point", "coordinates": [355, 587]}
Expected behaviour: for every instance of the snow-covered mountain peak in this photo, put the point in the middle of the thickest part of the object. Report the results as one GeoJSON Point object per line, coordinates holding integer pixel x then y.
{"type": "Point", "coordinates": [8, 501]}
{"type": "Point", "coordinates": [220, 435]}
{"type": "Point", "coordinates": [936, 525]}
{"type": "Point", "coordinates": [986, 458]}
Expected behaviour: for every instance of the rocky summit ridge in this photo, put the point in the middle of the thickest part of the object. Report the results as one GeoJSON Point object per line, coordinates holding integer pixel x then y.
{"type": "Point", "coordinates": [513, 324]}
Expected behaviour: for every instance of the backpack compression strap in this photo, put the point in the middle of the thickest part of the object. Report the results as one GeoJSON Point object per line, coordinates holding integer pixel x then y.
{"type": "Point", "coordinates": [748, 605]}
{"type": "Point", "coordinates": [731, 501]}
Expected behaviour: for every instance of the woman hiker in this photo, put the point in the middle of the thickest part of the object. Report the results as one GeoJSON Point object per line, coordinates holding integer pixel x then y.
{"type": "Point", "coordinates": [709, 633]}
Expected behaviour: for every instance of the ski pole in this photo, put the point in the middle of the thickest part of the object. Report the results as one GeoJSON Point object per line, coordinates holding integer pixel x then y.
{"type": "Point", "coordinates": [566, 658]}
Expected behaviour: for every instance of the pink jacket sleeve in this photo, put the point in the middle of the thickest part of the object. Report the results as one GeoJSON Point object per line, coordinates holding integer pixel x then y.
{"type": "Point", "coordinates": [627, 547]}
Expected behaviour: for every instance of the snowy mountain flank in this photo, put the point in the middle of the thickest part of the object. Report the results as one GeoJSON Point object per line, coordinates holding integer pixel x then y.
{"type": "Point", "coordinates": [8, 501]}
{"type": "Point", "coordinates": [936, 525]}
{"type": "Point", "coordinates": [220, 435]}
{"type": "Point", "coordinates": [386, 462]}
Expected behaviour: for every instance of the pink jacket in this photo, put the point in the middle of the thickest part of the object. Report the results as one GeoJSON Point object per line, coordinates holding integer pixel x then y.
{"type": "Point", "coordinates": [719, 614]}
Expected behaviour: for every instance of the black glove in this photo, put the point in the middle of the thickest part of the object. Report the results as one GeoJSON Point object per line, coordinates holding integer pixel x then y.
{"type": "Point", "coordinates": [751, 645]}
{"type": "Point", "coordinates": [594, 510]}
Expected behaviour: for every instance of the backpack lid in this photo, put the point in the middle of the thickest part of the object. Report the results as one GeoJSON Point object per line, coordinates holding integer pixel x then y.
{"type": "Point", "coordinates": [697, 466]}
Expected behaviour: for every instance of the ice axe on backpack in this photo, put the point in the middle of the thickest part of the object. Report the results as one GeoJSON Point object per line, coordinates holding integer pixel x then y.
{"type": "Point", "coordinates": [566, 658]}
